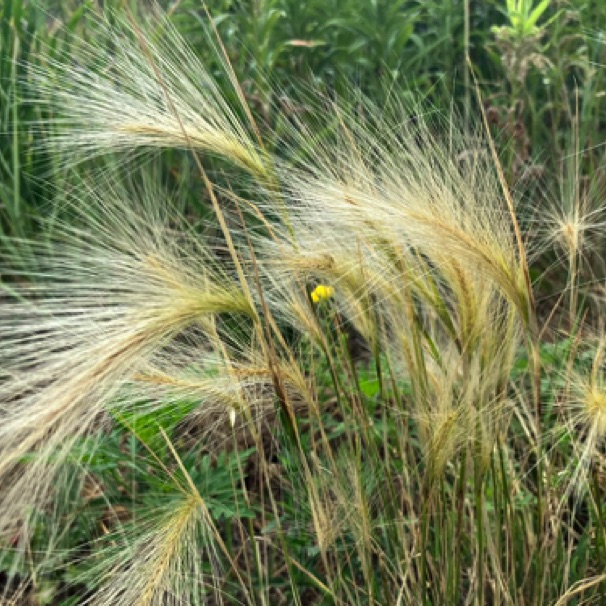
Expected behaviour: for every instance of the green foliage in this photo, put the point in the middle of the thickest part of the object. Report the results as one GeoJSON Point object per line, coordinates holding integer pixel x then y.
{"type": "Point", "coordinates": [20, 25]}
{"type": "Point", "coordinates": [523, 18]}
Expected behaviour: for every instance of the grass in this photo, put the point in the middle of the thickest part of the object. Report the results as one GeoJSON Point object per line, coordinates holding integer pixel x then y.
{"type": "Point", "coordinates": [348, 386]}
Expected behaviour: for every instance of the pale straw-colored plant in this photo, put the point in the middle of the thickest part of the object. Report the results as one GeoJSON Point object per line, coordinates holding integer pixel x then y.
{"type": "Point", "coordinates": [391, 227]}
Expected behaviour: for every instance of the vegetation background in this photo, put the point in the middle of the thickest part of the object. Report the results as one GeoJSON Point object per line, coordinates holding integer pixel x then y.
{"type": "Point", "coordinates": [373, 492]}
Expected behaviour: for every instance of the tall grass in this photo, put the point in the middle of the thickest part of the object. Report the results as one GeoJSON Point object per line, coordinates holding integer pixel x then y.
{"type": "Point", "coordinates": [346, 394]}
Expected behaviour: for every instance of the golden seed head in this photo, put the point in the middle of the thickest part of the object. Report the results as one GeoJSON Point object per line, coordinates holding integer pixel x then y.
{"type": "Point", "coordinates": [570, 234]}
{"type": "Point", "coordinates": [595, 404]}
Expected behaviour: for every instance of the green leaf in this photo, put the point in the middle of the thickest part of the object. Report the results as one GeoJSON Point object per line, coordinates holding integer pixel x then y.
{"type": "Point", "coordinates": [535, 14]}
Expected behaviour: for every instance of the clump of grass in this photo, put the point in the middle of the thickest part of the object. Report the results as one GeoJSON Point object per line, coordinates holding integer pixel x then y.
{"type": "Point", "coordinates": [219, 399]}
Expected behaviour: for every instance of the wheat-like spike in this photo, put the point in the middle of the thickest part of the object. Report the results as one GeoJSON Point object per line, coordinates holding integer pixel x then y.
{"type": "Point", "coordinates": [395, 181]}
{"type": "Point", "coordinates": [142, 86]}
{"type": "Point", "coordinates": [95, 310]}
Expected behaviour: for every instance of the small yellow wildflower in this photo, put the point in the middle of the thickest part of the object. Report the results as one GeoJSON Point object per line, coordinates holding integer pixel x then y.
{"type": "Point", "coordinates": [322, 292]}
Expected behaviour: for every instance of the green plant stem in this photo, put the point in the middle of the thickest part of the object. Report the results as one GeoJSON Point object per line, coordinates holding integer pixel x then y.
{"type": "Point", "coordinates": [600, 530]}
{"type": "Point", "coordinates": [479, 511]}
{"type": "Point", "coordinates": [539, 580]}
{"type": "Point", "coordinates": [457, 548]}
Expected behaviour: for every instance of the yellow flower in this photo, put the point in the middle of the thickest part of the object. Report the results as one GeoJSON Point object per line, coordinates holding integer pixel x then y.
{"type": "Point", "coordinates": [322, 292]}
